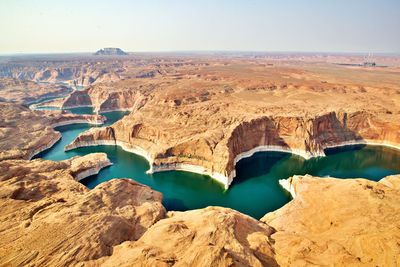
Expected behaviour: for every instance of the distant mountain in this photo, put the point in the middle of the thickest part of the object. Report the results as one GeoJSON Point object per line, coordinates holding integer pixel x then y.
{"type": "Point", "coordinates": [110, 51]}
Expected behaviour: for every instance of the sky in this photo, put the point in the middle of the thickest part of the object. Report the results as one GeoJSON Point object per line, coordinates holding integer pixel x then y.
{"type": "Point", "coordinates": [48, 26]}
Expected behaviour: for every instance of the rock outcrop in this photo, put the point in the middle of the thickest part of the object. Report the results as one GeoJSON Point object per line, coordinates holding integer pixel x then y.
{"type": "Point", "coordinates": [338, 222]}
{"type": "Point", "coordinates": [50, 219]}
{"type": "Point", "coordinates": [110, 51]}
{"type": "Point", "coordinates": [353, 223]}
{"type": "Point", "coordinates": [213, 236]}
{"type": "Point", "coordinates": [27, 92]}
{"type": "Point", "coordinates": [106, 98]}
{"type": "Point", "coordinates": [91, 164]}
{"type": "Point", "coordinates": [25, 133]}
{"type": "Point", "coordinates": [201, 115]}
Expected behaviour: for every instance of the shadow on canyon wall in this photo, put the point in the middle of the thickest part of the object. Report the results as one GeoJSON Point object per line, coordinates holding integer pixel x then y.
{"type": "Point", "coordinates": [257, 165]}
{"type": "Point", "coordinates": [78, 98]}
{"type": "Point", "coordinates": [337, 127]}
{"type": "Point", "coordinates": [326, 129]}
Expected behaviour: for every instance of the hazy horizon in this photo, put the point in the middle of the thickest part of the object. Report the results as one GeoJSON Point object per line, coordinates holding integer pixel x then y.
{"type": "Point", "coordinates": [206, 52]}
{"type": "Point", "coordinates": [48, 27]}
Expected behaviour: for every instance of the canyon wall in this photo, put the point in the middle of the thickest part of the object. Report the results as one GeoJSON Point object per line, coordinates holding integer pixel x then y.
{"type": "Point", "coordinates": [25, 132]}
{"type": "Point", "coordinates": [123, 223]}
{"type": "Point", "coordinates": [217, 155]}
{"type": "Point", "coordinates": [104, 99]}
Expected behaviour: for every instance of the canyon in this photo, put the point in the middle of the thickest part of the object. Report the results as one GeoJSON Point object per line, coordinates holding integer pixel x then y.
{"type": "Point", "coordinates": [123, 223]}
{"type": "Point", "coordinates": [25, 133]}
{"type": "Point", "coordinates": [210, 127]}
{"type": "Point", "coordinates": [203, 114]}
{"type": "Point", "coordinates": [28, 92]}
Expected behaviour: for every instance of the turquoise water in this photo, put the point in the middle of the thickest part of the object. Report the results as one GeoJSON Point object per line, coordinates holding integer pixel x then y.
{"type": "Point", "coordinates": [46, 99]}
{"type": "Point", "coordinates": [51, 98]}
{"type": "Point", "coordinates": [46, 108]}
{"type": "Point", "coordinates": [70, 132]}
{"type": "Point", "coordinates": [255, 191]}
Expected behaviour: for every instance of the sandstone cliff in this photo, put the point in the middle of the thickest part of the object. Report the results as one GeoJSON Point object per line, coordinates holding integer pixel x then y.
{"type": "Point", "coordinates": [353, 223]}
{"type": "Point", "coordinates": [205, 117]}
{"type": "Point", "coordinates": [217, 153]}
{"type": "Point", "coordinates": [104, 98]}
{"type": "Point", "coordinates": [199, 115]}
{"type": "Point", "coordinates": [24, 132]}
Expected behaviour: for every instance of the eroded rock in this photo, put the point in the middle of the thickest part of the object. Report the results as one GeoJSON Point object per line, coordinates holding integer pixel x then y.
{"type": "Point", "coordinates": [25, 133]}
{"type": "Point", "coordinates": [50, 219]}
{"type": "Point", "coordinates": [213, 236]}
{"type": "Point", "coordinates": [338, 222]}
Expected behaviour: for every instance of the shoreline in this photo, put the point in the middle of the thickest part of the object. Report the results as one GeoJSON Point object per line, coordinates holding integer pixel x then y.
{"type": "Point", "coordinates": [288, 186]}
{"type": "Point", "coordinates": [364, 142]}
{"type": "Point", "coordinates": [95, 111]}
{"type": "Point", "coordinates": [116, 109]}
{"type": "Point", "coordinates": [125, 146]}
{"type": "Point", "coordinates": [75, 106]}
{"type": "Point", "coordinates": [49, 145]}
{"type": "Point", "coordinates": [219, 177]}
{"type": "Point", "coordinates": [225, 180]}
{"type": "Point", "coordinates": [77, 121]}
{"type": "Point", "coordinates": [93, 171]}
{"type": "Point", "coordinates": [59, 135]}
{"type": "Point", "coordinates": [268, 148]}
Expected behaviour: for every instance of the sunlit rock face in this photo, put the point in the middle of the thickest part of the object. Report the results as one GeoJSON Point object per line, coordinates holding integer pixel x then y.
{"type": "Point", "coordinates": [122, 223]}
{"type": "Point", "coordinates": [171, 145]}
{"type": "Point", "coordinates": [338, 222]}
{"type": "Point", "coordinates": [213, 236]}
{"type": "Point", "coordinates": [105, 98]}
{"type": "Point", "coordinates": [59, 221]}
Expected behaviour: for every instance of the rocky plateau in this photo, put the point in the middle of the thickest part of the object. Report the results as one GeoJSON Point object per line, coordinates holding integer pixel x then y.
{"type": "Point", "coordinates": [205, 125]}
{"type": "Point", "coordinates": [199, 114]}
